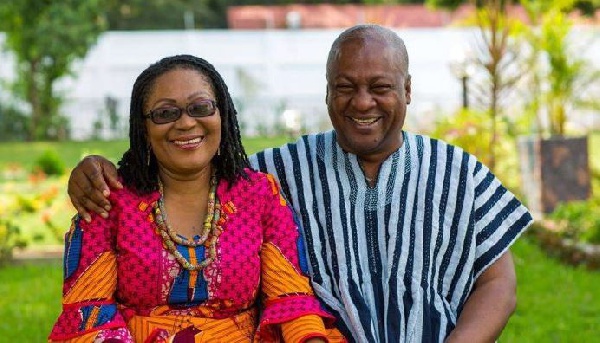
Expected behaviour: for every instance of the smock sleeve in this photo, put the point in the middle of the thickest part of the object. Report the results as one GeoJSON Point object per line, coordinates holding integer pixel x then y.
{"type": "Point", "coordinates": [289, 302]}
{"type": "Point", "coordinates": [499, 218]}
{"type": "Point", "coordinates": [89, 311]}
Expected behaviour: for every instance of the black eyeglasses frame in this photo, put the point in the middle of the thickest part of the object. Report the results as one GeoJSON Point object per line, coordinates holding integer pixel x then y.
{"type": "Point", "coordinates": [152, 114]}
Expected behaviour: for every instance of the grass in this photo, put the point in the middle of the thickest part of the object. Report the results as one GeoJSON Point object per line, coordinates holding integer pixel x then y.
{"type": "Point", "coordinates": [556, 302]}
{"type": "Point", "coordinates": [30, 302]}
{"type": "Point", "coordinates": [24, 155]}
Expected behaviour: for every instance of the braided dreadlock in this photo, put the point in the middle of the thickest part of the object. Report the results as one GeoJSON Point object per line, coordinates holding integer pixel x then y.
{"type": "Point", "coordinates": [133, 166]}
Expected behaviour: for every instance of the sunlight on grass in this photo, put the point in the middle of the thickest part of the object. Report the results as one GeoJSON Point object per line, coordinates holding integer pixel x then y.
{"type": "Point", "coordinates": [556, 303]}
{"type": "Point", "coordinates": [30, 302]}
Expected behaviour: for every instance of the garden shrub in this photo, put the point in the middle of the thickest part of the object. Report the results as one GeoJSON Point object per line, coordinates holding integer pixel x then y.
{"type": "Point", "coordinates": [580, 220]}
{"type": "Point", "coordinates": [50, 163]}
{"type": "Point", "coordinates": [10, 238]}
{"type": "Point", "coordinates": [470, 129]}
{"type": "Point", "coordinates": [572, 231]}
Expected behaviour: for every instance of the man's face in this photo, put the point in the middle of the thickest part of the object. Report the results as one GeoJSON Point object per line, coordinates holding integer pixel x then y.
{"type": "Point", "coordinates": [367, 94]}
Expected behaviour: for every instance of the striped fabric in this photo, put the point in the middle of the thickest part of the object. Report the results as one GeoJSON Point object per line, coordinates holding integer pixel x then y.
{"type": "Point", "coordinates": [396, 262]}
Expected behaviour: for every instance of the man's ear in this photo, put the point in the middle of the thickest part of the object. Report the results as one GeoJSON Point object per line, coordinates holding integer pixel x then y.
{"type": "Point", "coordinates": [326, 94]}
{"type": "Point", "coordinates": [407, 89]}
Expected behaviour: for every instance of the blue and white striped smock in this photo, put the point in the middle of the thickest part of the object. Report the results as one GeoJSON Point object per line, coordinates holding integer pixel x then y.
{"type": "Point", "coordinates": [396, 262]}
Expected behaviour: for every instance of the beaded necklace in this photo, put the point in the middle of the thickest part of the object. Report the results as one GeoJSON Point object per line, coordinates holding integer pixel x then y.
{"type": "Point", "coordinates": [208, 236]}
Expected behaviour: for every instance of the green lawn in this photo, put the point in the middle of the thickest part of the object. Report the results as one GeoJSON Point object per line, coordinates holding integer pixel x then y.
{"type": "Point", "coordinates": [25, 154]}
{"type": "Point", "coordinates": [556, 303]}
{"type": "Point", "coordinates": [30, 301]}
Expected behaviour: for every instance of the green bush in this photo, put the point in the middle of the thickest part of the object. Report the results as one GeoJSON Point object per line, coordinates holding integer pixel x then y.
{"type": "Point", "coordinates": [10, 238]}
{"type": "Point", "coordinates": [580, 220]}
{"type": "Point", "coordinates": [50, 163]}
{"type": "Point", "coordinates": [471, 130]}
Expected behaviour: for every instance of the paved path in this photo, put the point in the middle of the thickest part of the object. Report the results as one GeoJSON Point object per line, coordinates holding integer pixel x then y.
{"type": "Point", "coordinates": [38, 253]}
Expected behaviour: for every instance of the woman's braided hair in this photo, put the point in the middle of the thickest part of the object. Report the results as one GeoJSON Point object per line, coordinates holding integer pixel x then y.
{"type": "Point", "coordinates": [133, 166]}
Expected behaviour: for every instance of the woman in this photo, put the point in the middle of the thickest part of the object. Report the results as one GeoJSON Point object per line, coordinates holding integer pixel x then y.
{"type": "Point", "coordinates": [196, 240]}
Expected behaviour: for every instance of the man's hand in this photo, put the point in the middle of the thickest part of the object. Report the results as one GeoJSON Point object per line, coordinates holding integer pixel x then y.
{"type": "Point", "coordinates": [89, 185]}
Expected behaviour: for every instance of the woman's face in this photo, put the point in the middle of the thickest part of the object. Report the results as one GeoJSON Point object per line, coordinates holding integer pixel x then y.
{"type": "Point", "coordinates": [187, 145]}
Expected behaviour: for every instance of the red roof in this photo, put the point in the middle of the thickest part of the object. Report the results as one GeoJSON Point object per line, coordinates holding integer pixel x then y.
{"type": "Point", "coordinates": [341, 16]}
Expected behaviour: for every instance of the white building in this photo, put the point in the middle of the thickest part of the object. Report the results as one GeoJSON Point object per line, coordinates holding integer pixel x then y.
{"type": "Point", "coordinates": [267, 72]}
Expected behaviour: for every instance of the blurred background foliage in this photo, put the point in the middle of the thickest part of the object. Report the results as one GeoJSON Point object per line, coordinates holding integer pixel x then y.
{"type": "Point", "coordinates": [48, 36]}
{"type": "Point", "coordinates": [212, 14]}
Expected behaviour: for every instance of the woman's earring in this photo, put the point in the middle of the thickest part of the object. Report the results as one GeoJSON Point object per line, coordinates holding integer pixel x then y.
{"type": "Point", "coordinates": [148, 156]}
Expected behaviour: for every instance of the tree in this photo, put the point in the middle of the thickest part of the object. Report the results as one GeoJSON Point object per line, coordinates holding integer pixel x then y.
{"type": "Point", "coordinates": [496, 56]}
{"type": "Point", "coordinates": [47, 37]}
{"type": "Point", "coordinates": [499, 57]}
{"type": "Point", "coordinates": [449, 4]}
{"type": "Point", "coordinates": [166, 14]}
{"type": "Point", "coordinates": [587, 7]}
{"type": "Point", "coordinates": [557, 64]}
{"type": "Point", "coordinates": [198, 14]}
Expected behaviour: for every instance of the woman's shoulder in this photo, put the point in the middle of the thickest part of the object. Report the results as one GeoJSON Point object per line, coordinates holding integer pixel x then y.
{"type": "Point", "coordinates": [254, 182]}
{"type": "Point", "coordinates": [262, 178]}
{"type": "Point", "coordinates": [255, 175]}
{"type": "Point", "coordinates": [129, 197]}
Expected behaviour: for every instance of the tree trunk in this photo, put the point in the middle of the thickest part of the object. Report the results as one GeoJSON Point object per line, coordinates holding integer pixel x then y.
{"type": "Point", "coordinates": [33, 97]}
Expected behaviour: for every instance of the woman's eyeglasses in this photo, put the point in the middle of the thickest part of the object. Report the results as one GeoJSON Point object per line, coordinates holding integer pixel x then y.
{"type": "Point", "coordinates": [197, 109]}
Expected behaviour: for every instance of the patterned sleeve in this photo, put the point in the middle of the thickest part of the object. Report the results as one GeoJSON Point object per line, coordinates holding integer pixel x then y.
{"type": "Point", "coordinates": [499, 218]}
{"type": "Point", "coordinates": [89, 311]}
{"type": "Point", "coordinates": [289, 301]}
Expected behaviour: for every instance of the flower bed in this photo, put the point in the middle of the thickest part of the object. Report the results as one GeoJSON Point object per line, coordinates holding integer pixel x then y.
{"type": "Point", "coordinates": [34, 213]}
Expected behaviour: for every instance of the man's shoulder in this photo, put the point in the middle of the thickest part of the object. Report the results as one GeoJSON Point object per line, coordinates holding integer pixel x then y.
{"type": "Point", "coordinates": [305, 140]}
{"type": "Point", "coordinates": [423, 139]}
{"type": "Point", "coordinates": [425, 148]}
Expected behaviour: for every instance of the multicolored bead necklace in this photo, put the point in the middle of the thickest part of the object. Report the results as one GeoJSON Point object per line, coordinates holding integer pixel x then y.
{"type": "Point", "coordinates": [208, 236]}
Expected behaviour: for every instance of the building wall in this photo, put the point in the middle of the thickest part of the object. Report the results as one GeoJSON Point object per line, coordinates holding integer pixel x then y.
{"type": "Point", "coordinates": [267, 71]}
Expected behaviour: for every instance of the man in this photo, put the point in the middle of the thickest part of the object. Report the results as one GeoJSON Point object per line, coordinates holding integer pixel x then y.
{"type": "Point", "coordinates": [407, 236]}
